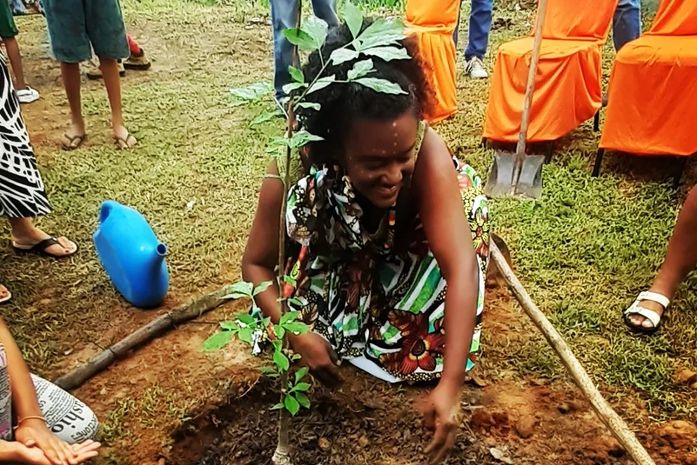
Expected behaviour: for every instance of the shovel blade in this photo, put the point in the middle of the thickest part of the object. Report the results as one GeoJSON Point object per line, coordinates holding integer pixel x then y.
{"type": "Point", "coordinates": [501, 184]}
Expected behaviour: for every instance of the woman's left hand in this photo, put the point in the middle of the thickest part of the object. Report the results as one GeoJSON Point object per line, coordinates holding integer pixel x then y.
{"type": "Point", "coordinates": [441, 416]}
{"type": "Point", "coordinates": [35, 433]}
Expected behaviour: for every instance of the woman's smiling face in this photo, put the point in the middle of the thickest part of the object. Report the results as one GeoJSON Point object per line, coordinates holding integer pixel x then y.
{"type": "Point", "coordinates": [379, 157]}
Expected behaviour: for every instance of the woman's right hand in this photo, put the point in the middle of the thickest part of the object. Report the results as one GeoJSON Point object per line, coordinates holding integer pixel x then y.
{"type": "Point", "coordinates": [317, 354]}
{"type": "Point", "coordinates": [35, 456]}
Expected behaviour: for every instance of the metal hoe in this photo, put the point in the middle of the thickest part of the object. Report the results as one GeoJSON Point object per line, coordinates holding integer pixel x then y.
{"type": "Point", "coordinates": [519, 174]}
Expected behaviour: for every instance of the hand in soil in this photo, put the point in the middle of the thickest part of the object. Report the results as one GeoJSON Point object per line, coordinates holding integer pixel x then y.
{"type": "Point", "coordinates": [35, 434]}
{"type": "Point", "coordinates": [35, 456]}
{"type": "Point", "coordinates": [440, 414]}
{"type": "Point", "coordinates": [319, 357]}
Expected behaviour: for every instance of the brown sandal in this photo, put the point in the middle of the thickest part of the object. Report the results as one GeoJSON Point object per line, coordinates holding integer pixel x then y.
{"type": "Point", "coordinates": [72, 142]}
{"type": "Point", "coordinates": [125, 143]}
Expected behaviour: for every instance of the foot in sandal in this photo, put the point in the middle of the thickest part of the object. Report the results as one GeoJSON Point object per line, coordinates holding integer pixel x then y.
{"type": "Point", "coordinates": [646, 314]}
{"type": "Point", "coordinates": [57, 247]}
{"type": "Point", "coordinates": [73, 137]}
{"type": "Point", "coordinates": [123, 139]}
{"type": "Point", "coordinates": [5, 295]}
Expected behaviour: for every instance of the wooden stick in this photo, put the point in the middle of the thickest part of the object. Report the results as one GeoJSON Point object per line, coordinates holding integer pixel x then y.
{"type": "Point", "coordinates": [156, 327]}
{"type": "Point", "coordinates": [605, 412]}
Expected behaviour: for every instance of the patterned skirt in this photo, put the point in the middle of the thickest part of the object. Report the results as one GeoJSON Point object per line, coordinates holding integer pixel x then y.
{"type": "Point", "coordinates": [384, 312]}
{"type": "Point", "coordinates": [21, 188]}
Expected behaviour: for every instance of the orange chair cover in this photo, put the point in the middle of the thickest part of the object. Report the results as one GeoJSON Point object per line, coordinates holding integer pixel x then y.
{"type": "Point", "coordinates": [433, 22]}
{"type": "Point", "coordinates": [652, 107]}
{"type": "Point", "coordinates": [567, 86]}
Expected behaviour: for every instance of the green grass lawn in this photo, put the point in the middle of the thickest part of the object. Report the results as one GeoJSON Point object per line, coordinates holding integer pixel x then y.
{"type": "Point", "coordinates": [584, 250]}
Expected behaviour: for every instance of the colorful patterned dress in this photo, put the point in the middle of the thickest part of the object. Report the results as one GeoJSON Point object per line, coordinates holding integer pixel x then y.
{"type": "Point", "coordinates": [378, 298]}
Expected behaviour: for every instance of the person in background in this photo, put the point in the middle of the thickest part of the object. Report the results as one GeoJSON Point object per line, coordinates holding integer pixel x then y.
{"type": "Point", "coordinates": [22, 194]}
{"type": "Point", "coordinates": [137, 61]}
{"type": "Point", "coordinates": [478, 38]}
{"type": "Point", "coordinates": [76, 28]}
{"type": "Point", "coordinates": [8, 33]}
{"type": "Point", "coordinates": [284, 15]}
{"type": "Point", "coordinates": [647, 312]}
{"type": "Point", "coordinates": [40, 424]}
{"type": "Point", "coordinates": [626, 25]}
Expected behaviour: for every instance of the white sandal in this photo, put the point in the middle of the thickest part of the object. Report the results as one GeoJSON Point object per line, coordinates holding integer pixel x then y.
{"type": "Point", "coordinates": [650, 315]}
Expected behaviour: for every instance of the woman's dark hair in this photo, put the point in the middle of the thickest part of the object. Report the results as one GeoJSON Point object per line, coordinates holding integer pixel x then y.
{"type": "Point", "coordinates": [343, 103]}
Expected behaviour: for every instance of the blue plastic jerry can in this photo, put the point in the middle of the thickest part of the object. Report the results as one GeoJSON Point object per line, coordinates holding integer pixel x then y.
{"type": "Point", "coordinates": [131, 254]}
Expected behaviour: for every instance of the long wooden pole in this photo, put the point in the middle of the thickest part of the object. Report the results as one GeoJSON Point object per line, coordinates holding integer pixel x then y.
{"type": "Point", "coordinates": [159, 325]}
{"type": "Point", "coordinates": [605, 412]}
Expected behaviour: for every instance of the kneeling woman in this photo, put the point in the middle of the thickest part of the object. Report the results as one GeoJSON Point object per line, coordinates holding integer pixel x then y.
{"type": "Point", "coordinates": [388, 234]}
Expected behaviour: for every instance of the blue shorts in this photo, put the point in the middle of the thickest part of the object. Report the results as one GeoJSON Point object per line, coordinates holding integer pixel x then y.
{"type": "Point", "coordinates": [78, 26]}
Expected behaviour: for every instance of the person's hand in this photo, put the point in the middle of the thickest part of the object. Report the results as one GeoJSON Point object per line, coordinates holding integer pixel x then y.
{"type": "Point", "coordinates": [35, 456]}
{"type": "Point", "coordinates": [318, 356]}
{"type": "Point", "coordinates": [441, 415]}
{"type": "Point", "coordinates": [33, 433]}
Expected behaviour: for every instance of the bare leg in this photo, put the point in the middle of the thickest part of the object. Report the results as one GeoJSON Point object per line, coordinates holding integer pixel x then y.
{"type": "Point", "coordinates": [15, 57]}
{"type": "Point", "coordinates": [680, 260]}
{"type": "Point", "coordinates": [24, 233]}
{"type": "Point", "coordinates": [71, 82]}
{"type": "Point", "coordinates": [110, 72]}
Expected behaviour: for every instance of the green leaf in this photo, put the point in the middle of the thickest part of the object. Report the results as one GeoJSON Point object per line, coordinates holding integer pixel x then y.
{"type": "Point", "coordinates": [353, 18]}
{"type": "Point", "coordinates": [247, 319]}
{"type": "Point", "coordinates": [280, 331]}
{"type": "Point", "coordinates": [281, 361]}
{"type": "Point", "coordinates": [301, 387]}
{"type": "Point", "coordinates": [360, 69]}
{"type": "Point", "coordinates": [239, 290]}
{"type": "Point", "coordinates": [269, 372]}
{"type": "Point", "coordinates": [381, 33]}
{"type": "Point", "coordinates": [317, 29]}
{"type": "Point", "coordinates": [251, 92]}
{"type": "Point", "coordinates": [388, 53]}
{"type": "Point", "coordinates": [301, 373]}
{"type": "Point", "coordinates": [246, 335]}
{"type": "Point", "coordinates": [321, 83]}
{"type": "Point", "coordinates": [288, 88]}
{"type": "Point", "coordinates": [266, 116]}
{"type": "Point", "coordinates": [288, 317]}
{"type": "Point", "coordinates": [290, 280]}
{"type": "Point", "coordinates": [296, 74]}
{"type": "Point", "coordinates": [380, 85]}
{"type": "Point", "coordinates": [296, 327]}
{"type": "Point", "coordinates": [295, 301]}
{"type": "Point", "coordinates": [302, 399]}
{"type": "Point", "coordinates": [295, 357]}
{"type": "Point", "coordinates": [291, 405]}
{"type": "Point", "coordinates": [217, 341]}
{"type": "Point", "coordinates": [302, 39]}
{"type": "Point", "coordinates": [342, 55]}
{"type": "Point", "coordinates": [229, 325]}
{"type": "Point", "coordinates": [262, 287]}
{"type": "Point", "coordinates": [309, 105]}
{"type": "Point", "coordinates": [277, 406]}
{"type": "Point", "coordinates": [301, 138]}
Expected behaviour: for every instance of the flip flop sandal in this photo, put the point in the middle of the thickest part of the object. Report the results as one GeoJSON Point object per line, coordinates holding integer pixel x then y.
{"type": "Point", "coordinates": [652, 316]}
{"type": "Point", "coordinates": [40, 248]}
{"type": "Point", "coordinates": [125, 144]}
{"type": "Point", "coordinates": [7, 298]}
{"type": "Point", "coordinates": [69, 143]}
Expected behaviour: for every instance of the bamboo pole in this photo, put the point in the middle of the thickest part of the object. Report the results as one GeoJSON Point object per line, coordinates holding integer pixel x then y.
{"type": "Point", "coordinates": [156, 327]}
{"type": "Point", "coordinates": [605, 412]}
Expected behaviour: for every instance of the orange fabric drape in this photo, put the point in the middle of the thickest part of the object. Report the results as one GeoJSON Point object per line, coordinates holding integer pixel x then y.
{"type": "Point", "coordinates": [652, 105]}
{"type": "Point", "coordinates": [567, 86]}
{"type": "Point", "coordinates": [433, 23]}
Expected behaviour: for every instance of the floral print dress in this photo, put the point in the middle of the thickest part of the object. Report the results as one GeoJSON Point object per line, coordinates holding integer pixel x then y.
{"type": "Point", "coordinates": [380, 304]}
